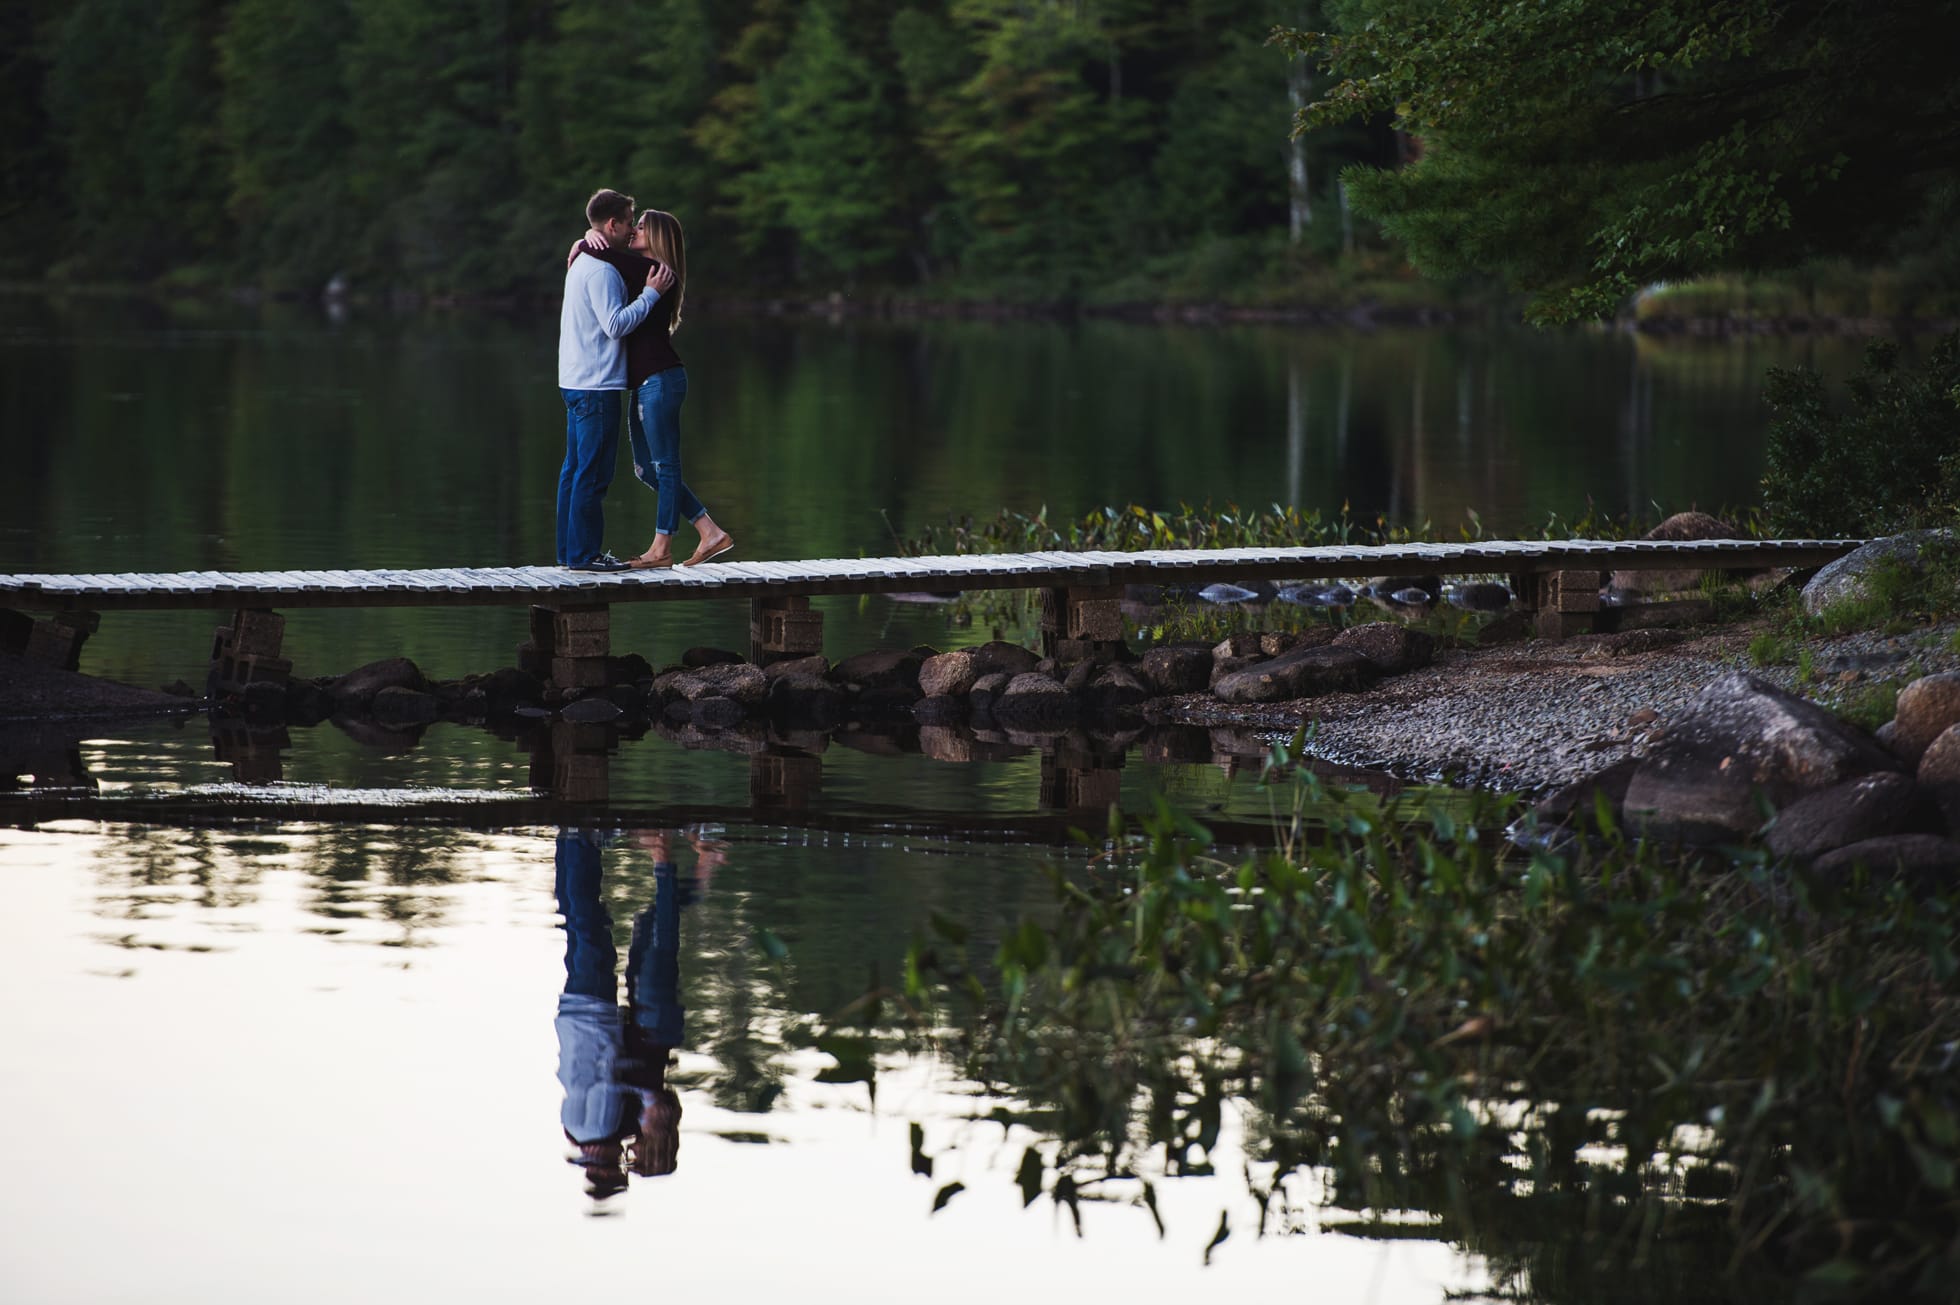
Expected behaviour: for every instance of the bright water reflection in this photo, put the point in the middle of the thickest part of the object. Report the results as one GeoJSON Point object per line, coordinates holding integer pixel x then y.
{"type": "Point", "coordinates": [313, 1063]}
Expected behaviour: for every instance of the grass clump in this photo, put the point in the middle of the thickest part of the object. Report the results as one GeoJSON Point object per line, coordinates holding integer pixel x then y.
{"type": "Point", "coordinates": [1693, 1082]}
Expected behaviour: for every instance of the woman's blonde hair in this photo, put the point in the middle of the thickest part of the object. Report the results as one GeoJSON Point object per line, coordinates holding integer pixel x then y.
{"type": "Point", "coordinates": [666, 243]}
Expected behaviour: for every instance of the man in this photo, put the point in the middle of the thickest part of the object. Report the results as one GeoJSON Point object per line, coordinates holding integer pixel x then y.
{"type": "Point", "coordinates": [596, 317]}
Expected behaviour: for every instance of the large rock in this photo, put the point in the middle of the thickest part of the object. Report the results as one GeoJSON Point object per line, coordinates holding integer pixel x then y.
{"type": "Point", "coordinates": [1681, 526]}
{"type": "Point", "coordinates": [1307, 673]}
{"type": "Point", "coordinates": [815, 664]}
{"type": "Point", "coordinates": [949, 675]}
{"type": "Point", "coordinates": [988, 688]}
{"type": "Point", "coordinates": [1176, 668]}
{"type": "Point", "coordinates": [358, 687]}
{"type": "Point", "coordinates": [940, 709]}
{"type": "Point", "coordinates": [704, 656]}
{"type": "Point", "coordinates": [1743, 742]}
{"type": "Point", "coordinates": [1034, 702]}
{"type": "Point", "coordinates": [1842, 814]}
{"type": "Point", "coordinates": [1927, 708]}
{"type": "Point", "coordinates": [1580, 798]}
{"type": "Point", "coordinates": [1939, 774]}
{"type": "Point", "coordinates": [736, 681]}
{"type": "Point", "coordinates": [999, 655]}
{"type": "Point", "coordinates": [1393, 647]}
{"type": "Point", "coordinates": [1920, 858]}
{"type": "Point", "coordinates": [1849, 577]}
{"type": "Point", "coordinates": [880, 668]}
{"type": "Point", "coordinates": [807, 700]}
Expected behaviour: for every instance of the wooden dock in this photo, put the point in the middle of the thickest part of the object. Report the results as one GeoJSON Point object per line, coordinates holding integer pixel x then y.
{"type": "Point", "coordinates": [1559, 580]}
{"type": "Point", "coordinates": [511, 586]}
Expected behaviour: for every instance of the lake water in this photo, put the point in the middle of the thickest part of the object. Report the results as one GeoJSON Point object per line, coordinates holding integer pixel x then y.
{"type": "Point", "coordinates": [259, 1054]}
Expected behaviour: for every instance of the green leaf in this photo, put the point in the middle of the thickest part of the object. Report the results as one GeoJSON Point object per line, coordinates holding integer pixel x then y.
{"type": "Point", "coordinates": [771, 945]}
{"type": "Point", "coordinates": [945, 1194]}
{"type": "Point", "coordinates": [1029, 1176]}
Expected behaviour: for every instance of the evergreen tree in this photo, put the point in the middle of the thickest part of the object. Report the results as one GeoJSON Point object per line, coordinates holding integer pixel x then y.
{"type": "Point", "coordinates": [286, 138]}
{"type": "Point", "coordinates": [832, 171]}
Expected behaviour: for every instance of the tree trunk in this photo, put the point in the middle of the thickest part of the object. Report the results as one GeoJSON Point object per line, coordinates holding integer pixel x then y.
{"type": "Point", "coordinates": [1299, 193]}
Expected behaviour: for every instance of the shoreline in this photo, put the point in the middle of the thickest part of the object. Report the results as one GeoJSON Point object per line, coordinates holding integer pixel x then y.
{"type": "Point", "coordinates": [1526, 717]}
{"type": "Point", "coordinates": [1363, 313]}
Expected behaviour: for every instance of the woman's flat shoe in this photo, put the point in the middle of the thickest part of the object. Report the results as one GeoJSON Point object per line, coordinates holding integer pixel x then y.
{"type": "Point", "coordinates": [710, 549]}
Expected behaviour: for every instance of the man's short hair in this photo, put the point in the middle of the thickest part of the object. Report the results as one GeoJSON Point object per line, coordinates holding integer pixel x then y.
{"type": "Point", "coordinates": [606, 206]}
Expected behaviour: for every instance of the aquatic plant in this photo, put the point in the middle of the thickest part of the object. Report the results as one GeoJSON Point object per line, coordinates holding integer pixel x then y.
{"type": "Point", "coordinates": [1612, 1070]}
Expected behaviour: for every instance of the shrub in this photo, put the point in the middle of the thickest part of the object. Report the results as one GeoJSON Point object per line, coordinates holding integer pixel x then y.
{"type": "Point", "coordinates": [1890, 462]}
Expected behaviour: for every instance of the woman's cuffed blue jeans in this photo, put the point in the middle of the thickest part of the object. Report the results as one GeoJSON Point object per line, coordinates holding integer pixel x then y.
{"type": "Point", "coordinates": [654, 422]}
{"type": "Point", "coordinates": [591, 449]}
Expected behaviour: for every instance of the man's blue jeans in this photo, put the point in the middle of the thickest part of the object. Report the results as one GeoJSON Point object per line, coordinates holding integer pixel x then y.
{"type": "Point", "coordinates": [591, 449]}
{"type": "Point", "coordinates": [655, 423]}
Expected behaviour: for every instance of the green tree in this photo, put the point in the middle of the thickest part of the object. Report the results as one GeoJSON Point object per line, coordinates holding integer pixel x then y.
{"type": "Point", "coordinates": [832, 172]}
{"type": "Point", "coordinates": [286, 137]}
{"type": "Point", "coordinates": [130, 89]}
{"type": "Point", "coordinates": [431, 92]}
{"type": "Point", "coordinates": [1582, 149]}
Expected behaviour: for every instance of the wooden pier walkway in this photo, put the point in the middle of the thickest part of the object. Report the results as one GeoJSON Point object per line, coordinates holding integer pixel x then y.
{"type": "Point", "coordinates": [1558, 580]}
{"type": "Point", "coordinates": [511, 586]}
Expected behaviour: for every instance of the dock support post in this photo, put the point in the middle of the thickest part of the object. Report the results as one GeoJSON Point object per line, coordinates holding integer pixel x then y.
{"type": "Point", "coordinates": [782, 627]}
{"type": "Point", "coordinates": [1564, 602]}
{"type": "Point", "coordinates": [247, 651]}
{"type": "Point", "coordinates": [570, 645]}
{"type": "Point", "coordinates": [58, 640]}
{"type": "Point", "coordinates": [1082, 623]}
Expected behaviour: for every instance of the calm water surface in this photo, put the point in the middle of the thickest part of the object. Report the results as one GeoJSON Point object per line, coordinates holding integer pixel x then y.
{"type": "Point", "coordinates": [288, 1059]}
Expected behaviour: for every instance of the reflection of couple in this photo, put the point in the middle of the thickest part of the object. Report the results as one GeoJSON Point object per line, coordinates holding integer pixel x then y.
{"type": "Point", "coordinates": [619, 1112]}
{"type": "Point", "coordinates": [624, 285]}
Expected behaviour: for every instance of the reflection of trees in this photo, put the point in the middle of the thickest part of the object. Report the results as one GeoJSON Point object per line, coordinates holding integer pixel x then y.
{"type": "Point", "coordinates": [1616, 1076]}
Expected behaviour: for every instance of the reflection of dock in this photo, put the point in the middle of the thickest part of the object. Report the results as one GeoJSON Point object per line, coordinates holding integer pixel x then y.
{"type": "Point", "coordinates": [571, 765]}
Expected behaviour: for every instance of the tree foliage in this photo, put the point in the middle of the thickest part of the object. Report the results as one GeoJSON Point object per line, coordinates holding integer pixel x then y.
{"type": "Point", "coordinates": [449, 145]}
{"type": "Point", "coordinates": [1583, 149]}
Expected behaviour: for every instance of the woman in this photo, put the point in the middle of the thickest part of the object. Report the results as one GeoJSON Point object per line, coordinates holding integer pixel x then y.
{"type": "Point", "coordinates": [658, 385]}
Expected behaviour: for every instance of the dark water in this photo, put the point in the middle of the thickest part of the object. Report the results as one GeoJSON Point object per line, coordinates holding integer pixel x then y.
{"type": "Point", "coordinates": [260, 1055]}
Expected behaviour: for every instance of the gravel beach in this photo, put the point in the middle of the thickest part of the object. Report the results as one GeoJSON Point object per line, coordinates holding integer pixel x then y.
{"type": "Point", "coordinates": [1530, 716]}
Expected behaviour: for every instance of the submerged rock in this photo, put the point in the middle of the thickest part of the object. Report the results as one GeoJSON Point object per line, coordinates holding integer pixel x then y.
{"type": "Point", "coordinates": [1226, 593]}
{"type": "Point", "coordinates": [1318, 595]}
{"type": "Point", "coordinates": [1176, 668]}
{"type": "Point", "coordinates": [1306, 673]}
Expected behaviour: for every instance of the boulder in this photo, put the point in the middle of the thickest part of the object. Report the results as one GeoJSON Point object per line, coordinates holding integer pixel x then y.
{"type": "Point", "coordinates": [1480, 596]}
{"type": "Point", "coordinates": [815, 664]}
{"type": "Point", "coordinates": [1244, 643]}
{"type": "Point", "coordinates": [1921, 858]}
{"type": "Point", "coordinates": [1393, 647]}
{"type": "Point", "coordinates": [1680, 526]}
{"type": "Point", "coordinates": [1033, 703]}
{"type": "Point", "coordinates": [628, 668]}
{"type": "Point", "coordinates": [949, 674]}
{"type": "Point", "coordinates": [1580, 797]}
{"type": "Point", "coordinates": [1927, 708]}
{"type": "Point", "coordinates": [1842, 814]}
{"type": "Point", "coordinates": [1176, 668]}
{"type": "Point", "coordinates": [1387, 586]}
{"type": "Point", "coordinates": [1078, 677]}
{"type": "Point", "coordinates": [1307, 673]}
{"type": "Point", "coordinates": [807, 700]}
{"type": "Point", "coordinates": [1743, 742]}
{"type": "Point", "coordinates": [988, 688]}
{"type": "Point", "coordinates": [358, 687]}
{"type": "Point", "coordinates": [506, 688]}
{"type": "Point", "coordinates": [716, 713]}
{"type": "Point", "coordinates": [1850, 576]}
{"type": "Point", "coordinates": [880, 668]}
{"type": "Point", "coordinates": [1939, 773]}
{"type": "Point", "coordinates": [1000, 655]}
{"type": "Point", "coordinates": [695, 658]}
{"type": "Point", "coordinates": [737, 681]}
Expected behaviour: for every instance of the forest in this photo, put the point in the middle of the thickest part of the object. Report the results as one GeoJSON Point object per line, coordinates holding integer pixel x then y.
{"type": "Point", "coordinates": [1565, 156]}
{"type": "Point", "coordinates": [969, 147]}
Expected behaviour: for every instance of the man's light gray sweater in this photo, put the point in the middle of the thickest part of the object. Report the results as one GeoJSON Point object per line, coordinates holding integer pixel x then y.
{"type": "Point", "coordinates": [596, 316]}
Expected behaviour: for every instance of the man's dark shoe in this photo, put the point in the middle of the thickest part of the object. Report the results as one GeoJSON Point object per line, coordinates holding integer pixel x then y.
{"type": "Point", "coordinates": [603, 562]}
